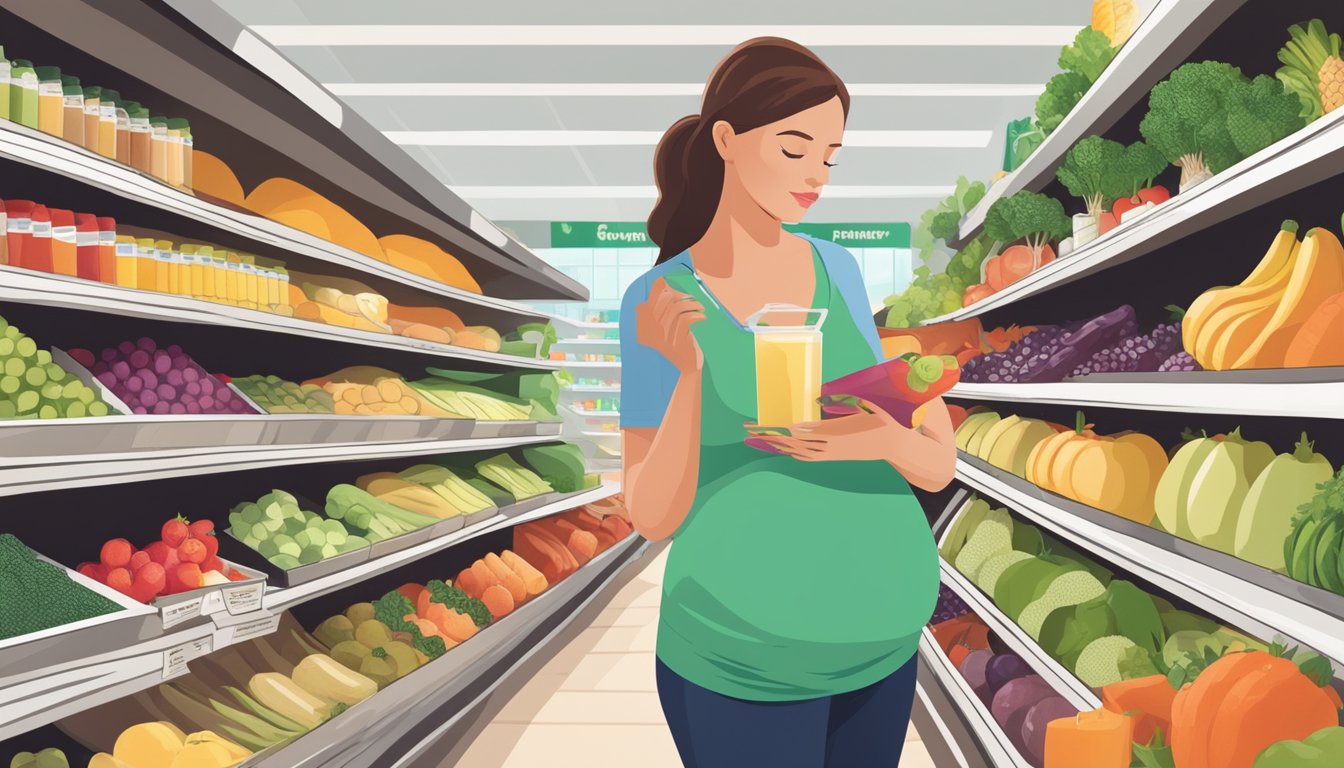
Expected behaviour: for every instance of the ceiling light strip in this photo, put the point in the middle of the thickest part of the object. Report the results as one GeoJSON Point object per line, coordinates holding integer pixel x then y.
{"type": "Point", "coordinates": [976, 35]}
{"type": "Point", "coordinates": [578, 138]}
{"type": "Point", "coordinates": [627, 90]}
{"type": "Point", "coordinates": [651, 192]}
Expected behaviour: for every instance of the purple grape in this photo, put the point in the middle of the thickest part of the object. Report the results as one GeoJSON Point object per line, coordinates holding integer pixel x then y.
{"type": "Point", "coordinates": [108, 355]}
{"type": "Point", "coordinates": [193, 388]}
{"type": "Point", "coordinates": [121, 370]}
{"type": "Point", "coordinates": [190, 375]}
{"type": "Point", "coordinates": [98, 368]}
{"type": "Point", "coordinates": [181, 362]}
{"type": "Point", "coordinates": [177, 409]}
{"type": "Point", "coordinates": [145, 343]}
{"type": "Point", "coordinates": [126, 348]}
{"type": "Point", "coordinates": [174, 350]}
{"type": "Point", "coordinates": [166, 392]}
{"type": "Point", "coordinates": [162, 363]}
{"type": "Point", "coordinates": [108, 379]}
{"type": "Point", "coordinates": [139, 359]}
{"type": "Point", "coordinates": [161, 408]}
{"type": "Point", "coordinates": [207, 403]}
{"type": "Point", "coordinates": [147, 376]}
{"type": "Point", "coordinates": [148, 398]}
{"type": "Point", "coordinates": [193, 407]}
{"type": "Point", "coordinates": [134, 384]}
{"type": "Point", "coordinates": [139, 410]}
{"type": "Point", "coordinates": [174, 378]}
{"type": "Point", "coordinates": [1181, 361]}
{"type": "Point", "coordinates": [208, 384]}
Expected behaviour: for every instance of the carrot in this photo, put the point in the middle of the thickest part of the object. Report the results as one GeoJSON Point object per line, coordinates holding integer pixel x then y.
{"type": "Point", "coordinates": [458, 626]}
{"type": "Point", "coordinates": [469, 582]}
{"type": "Point", "coordinates": [1151, 697]}
{"type": "Point", "coordinates": [536, 549]}
{"type": "Point", "coordinates": [498, 600]}
{"type": "Point", "coordinates": [507, 578]}
{"type": "Point", "coordinates": [585, 520]}
{"type": "Point", "coordinates": [617, 527]}
{"type": "Point", "coordinates": [583, 544]}
{"type": "Point", "coordinates": [411, 591]}
{"type": "Point", "coordinates": [484, 575]}
{"type": "Point", "coordinates": [532, 578]}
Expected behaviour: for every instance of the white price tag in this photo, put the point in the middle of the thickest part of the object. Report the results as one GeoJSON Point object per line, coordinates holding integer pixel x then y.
{"type": "Point", "coordinates": [243, 599]}
{"type": "Point", "coordinates": [179, 612]}
{"type": "Point", "coordinates": [236, 632]}
{"type": "Point", "coordinates": [175, 659]}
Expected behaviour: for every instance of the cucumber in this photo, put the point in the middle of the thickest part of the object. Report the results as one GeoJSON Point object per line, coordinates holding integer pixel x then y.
{"type": "Point", "coordinates": [1327, 556]}
{"type": "Point", "coordinates": [1303, 560]}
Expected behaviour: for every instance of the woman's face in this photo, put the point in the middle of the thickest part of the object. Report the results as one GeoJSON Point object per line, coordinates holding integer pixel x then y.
{"type": "Point", "coordinates": [783, 166]}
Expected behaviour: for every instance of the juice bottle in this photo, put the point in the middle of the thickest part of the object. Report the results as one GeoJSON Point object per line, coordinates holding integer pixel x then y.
{"type": "Point", "coordinates": [128, 262]}
{"type": "Point", "coordinates": [142, 141]}
{"type": "Point", "coordinates": [125, 144]}
{"type": "Point", "coordinates": [72, 109]}
{"type": "Point", "coordinates": [788, 364]}
{"type": "Point", "coordinates": [50, 104]}
{"type": "Point", "coordinates": [37, 251]}
{"type": "Point", "coordinates": [4, 85]}
{"type": "Point", "coordinates": [233, 277]}
{"type": "Point", "coordinates": [272, 287]}
{"type": "Point", "coordinates": [64, 243]}
{"type": "Point", "coordinates": [202, 278]}
{"type": "Point", "coordinates": [188, 147]}
{"type": "Point", "coordinates": [107, 123]}
{"type": "Point", "coordinates": [183, 262]}
{"type": "Point", "coordinates": [23, 93]}
{"type": "Point", "coordinates": [89, 264]}
{"type": "Point", "coordinates": [4, 228]}
{"type": "Point", "coordinates": [247, 281]}
{"type": "Point", "coordinates": [164, 275]}
{"type": "Point", "coordinates": [283, 287]}
{"type": "Point", "coordinates": [158, 158]}
{"type": "Point", "coordinates": [176, 145]}
{"type": "Point", "coordinates": [107, 250]}
{"type": "Point", "coordinates": [220, 276]}
{"type": "Point", "coordinates": [93, 106]}
{"type": "Point", "coordinates": [18, 228]}
{"type": "Point", "coordinates": [146, 275]}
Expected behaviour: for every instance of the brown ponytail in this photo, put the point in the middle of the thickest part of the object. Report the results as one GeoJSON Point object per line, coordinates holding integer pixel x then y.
{"type": "Point", "coordinates": [760, 82]}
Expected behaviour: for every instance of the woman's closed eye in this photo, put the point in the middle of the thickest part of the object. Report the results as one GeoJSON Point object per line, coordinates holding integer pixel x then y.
{"type": "Point", "coordinates": [799, 156]}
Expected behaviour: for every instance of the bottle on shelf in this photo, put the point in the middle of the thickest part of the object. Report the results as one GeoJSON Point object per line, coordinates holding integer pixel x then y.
{"type": "Point", "coordinates": [164, 275]}
{"type": "Point", "coordinates": [4, 225]}
{"type": "Point", "coordinates": [142, 139]}
{"type": "Point", "coordinates": [37, 251]}
{"type": "Point", "coordinates": [107, 250]}
{"type": "Point", "coordinates": [18, 228]}
{"type": "Point", "coordinates": [23, 93]}
{"type": "Point", "coordinates": [128, 259]}
{"type": "Point", "coordinates": [50, 101]}
{"type": "Point", "coordinates": [145, 275]}
{"type": "Point", "coordinates": [110, 114]}
{"type": "Point", "coordinates": [64, 243]}
{"type": "Point", "coordinates": [158, 157]}
{"type": "Point", "coordinates": [87, 261]}
{"type": "Point", "coordinates": [177, 129]}
{"type": "Point", "coordinates": [4, 84]}
{"type": "Point", "coordinates": [72, 110]}
{"type": "Point", "coordinates": [93, 108]}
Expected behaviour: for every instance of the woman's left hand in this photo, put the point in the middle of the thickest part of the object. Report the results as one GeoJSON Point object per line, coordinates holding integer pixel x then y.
{"type": "Point", "coordinates": [871, 434]}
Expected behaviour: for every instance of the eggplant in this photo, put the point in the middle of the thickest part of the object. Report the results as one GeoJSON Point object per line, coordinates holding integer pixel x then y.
{"type": "Point", "coordinates": [1078, 346]}
{"type": "Point", "coordinates": [1032, 734]}
{"type": "Point", "coordinates": [1002, 668]}
{"type": "Point", "coordinates": [1014, 700]}
{"type": "Point", "coordinates": [973, 669]}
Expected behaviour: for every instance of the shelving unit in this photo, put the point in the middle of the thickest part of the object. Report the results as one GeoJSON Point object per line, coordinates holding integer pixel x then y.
{"type": "Point", "coordinates": [969, 710]}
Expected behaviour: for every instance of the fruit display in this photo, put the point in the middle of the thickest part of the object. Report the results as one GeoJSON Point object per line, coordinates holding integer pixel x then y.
{"type": "Point", "coordinates": [1313, 68]}
{"type": "Point", "coordinates": [1030, 217]}
{"type": "Point", "coordinates": [32, 386]}
{"type": "Point", "coordinates": [158, 380]}
{"type": "Point", "coordinates": [160, 744]}
{"type": "Point", "coordinates": [367, 391]}
{"type": "Point", "coordinates": [471, 402]}
{"type": "Point", "coordinates": [1311, 550]}
{"type": "Point", "coordinates": [279, 396]}
{"type": "Point", "coordinates": [36, 594]}
{"type": "Point", "coordinates": [1117, 473]}
{"type": "Point", "coordinates": [1284, 314]}
{"type": "Point", "coordinates": [47, 758]}
{"type": "Point", "coordinates": [287, 535]}
{"type": "Point", "coordinates": [183, 558]}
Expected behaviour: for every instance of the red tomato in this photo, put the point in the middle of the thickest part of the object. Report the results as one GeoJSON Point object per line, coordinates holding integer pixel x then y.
{"type": "Point", "coordinates": [158, 552]}
{"type": "Point", "coordinates": [120, 580]}
{"type": "Point", "coordinates": [192, 551]}
{"type": "Point", "coordinates": [139, 560]}
{"type": "Point", "coordinates": [87, 569]}
{"type": "Point", "coordinates": [211, 545]}
{"type": "Point", "coordinates": [200, 529]}
{"type": "Point", "coordinates": [117, 553]}
{"type": "Point", "coordinates": [189, 575]}
{"type": "Point", "coordinates": [153, 575]}
{"type": "Point", "coordinates": [175, 531]}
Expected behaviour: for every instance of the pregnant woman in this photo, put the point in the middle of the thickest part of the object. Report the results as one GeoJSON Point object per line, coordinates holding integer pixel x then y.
{"type": "Point", "coordinates": [797, 582]}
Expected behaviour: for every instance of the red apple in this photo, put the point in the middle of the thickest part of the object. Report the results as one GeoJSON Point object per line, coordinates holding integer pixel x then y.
{"type": "Point", "coordinates": [1156, 195]}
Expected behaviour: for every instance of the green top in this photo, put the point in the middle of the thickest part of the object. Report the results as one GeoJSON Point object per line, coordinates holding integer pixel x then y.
{"type": "Point", "coordinates": [788, 579]}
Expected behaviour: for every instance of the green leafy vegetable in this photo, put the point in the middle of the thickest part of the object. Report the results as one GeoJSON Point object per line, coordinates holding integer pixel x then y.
{"type": "Point", "coordinates": [1260, 113]}
{"type": "Point", "coordinates": [1138, 166]}
{"type": "Point", "coordinates": [1028, 216]}
{"type": "Point", "coordinates": [456, 599]}
{"type": "Point", "coordinates": [1089, 171]}
{"type": "Point", "coordinates": [391, 611]}
{"type": "Point", "coordinates": [1062, 93]}
{"type": "Point", "coordinates": [942, 221]}
{"type": "Point", "coordinates": [1088, 55]}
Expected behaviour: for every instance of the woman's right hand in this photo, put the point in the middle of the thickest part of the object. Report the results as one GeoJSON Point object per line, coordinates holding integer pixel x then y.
{"type": "Point", "coordinates": [664, 323]}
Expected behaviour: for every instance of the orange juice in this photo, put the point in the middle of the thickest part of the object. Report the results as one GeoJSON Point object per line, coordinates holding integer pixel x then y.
{"type": "Point", "coordinates": [788, 364]}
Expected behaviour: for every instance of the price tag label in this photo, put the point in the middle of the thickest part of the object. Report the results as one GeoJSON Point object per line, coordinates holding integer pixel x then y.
{"type": "Point", "coordinates": [238, 631]}
{"type": "Point", "coordinates": [243, 599]}
{"type": "Point", "coordinates": [176, 613]}
{"type": "Point", "coordinates": [175, 659]}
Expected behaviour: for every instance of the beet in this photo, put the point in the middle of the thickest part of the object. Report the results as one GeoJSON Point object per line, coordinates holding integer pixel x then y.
{"type": "Point", "coordinates": [973, 669]}
{"type": "Point", "coordinates": [1014, 700]}
{"type": "Point", "coordinates": [1005, 667]}
{"type": "Point", "coordinates": [1032, 745]}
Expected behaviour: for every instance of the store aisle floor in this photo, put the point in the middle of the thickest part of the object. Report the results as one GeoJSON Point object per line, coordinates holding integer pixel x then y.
{"type": "Point", "coordinates": [595, 704]}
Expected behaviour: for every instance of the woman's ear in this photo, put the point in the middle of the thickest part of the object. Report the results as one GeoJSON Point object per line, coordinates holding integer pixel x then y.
{"type": "Point", "coordinates": [723, 135]}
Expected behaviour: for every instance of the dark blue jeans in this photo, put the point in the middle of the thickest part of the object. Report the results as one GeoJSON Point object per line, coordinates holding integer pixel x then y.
{"type": "Point", "coordinates": [861, 728]}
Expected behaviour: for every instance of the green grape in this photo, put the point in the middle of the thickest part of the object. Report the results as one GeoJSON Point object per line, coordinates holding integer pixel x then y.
{"type": "Point", "coordinates": [70, 390]}
{"type": "Point", "coordinates": [12, 333]}
{"type": "Point", "coordinates": [51, 390]}
{"type": "Point", "coordinates": [75, 410]}
{"type": "Point", "coordinates": [54, 372]}
{"type": "Point", "coordinates": [25, 346]}
{"type": "Point", "coordinates": [43, 357]}
{"type": "Point", "coordinates": [35, 377]}
{"type": "Point", "coordinates": [47, 412]}
{"type": "Point", "coordinates": [7, 410]}
{"type": "Point", "coordinates": [98, 409]}
{"type": "Point", "coordinates": [85, 395]}
{"type": "Point", "coordinates": [6, 346]}
{"type": "Point", "coordinates": [15, 366]}
{"type": "Point", "coordinates": [9, 384]}
{"type": "Point", "coordinates": [27, 400]}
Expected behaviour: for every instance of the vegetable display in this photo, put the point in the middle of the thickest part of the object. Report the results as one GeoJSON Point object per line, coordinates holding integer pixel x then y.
{"type": "Point", "coordinates": [1082, 62]}
{"type": "Point", "coordinates": [34, 387]}
{"type": "Point", "coordinates": [1312, 68]}
{"type": "Point", "coordinates": [287, 536]}
{"type": "Point", "coordinates": [37, 595]}
{"type": "Point", "coordinates": [1090, 171]}
{"type": "Point", "coordinates": [183, 558]}
{"type": "Point", "coordinates": [160, 380]}
{"type": "Point", "coordinates": [279, 396]}
{"type": "Point", "coordinates": [1311, 552]}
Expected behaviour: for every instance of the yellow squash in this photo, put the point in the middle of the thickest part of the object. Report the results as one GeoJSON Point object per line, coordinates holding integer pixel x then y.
{"type": "Point", "coordinates": [1318, 274]}
{"type": "Point", "coordinates": [1203, 309]}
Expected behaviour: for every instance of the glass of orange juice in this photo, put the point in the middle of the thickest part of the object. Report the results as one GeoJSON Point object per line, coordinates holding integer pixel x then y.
{"type": "Point", "coordinates": [788, 364]}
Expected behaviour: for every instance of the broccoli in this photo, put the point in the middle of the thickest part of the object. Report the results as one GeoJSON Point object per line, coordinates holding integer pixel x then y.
{"type": "Point", "coordinates": [456, 599]}
{"type": "Point", "coordinates": [1137, 168]}
{"type": "Point", "coordinates": [1028, 215]}
{"type": "Point", "coordinates": [1207, 116]}
{"type": "Point", "coordinates": [1089, 172]}
{"type": "Point", "coordinates": [1062, 93]}
{"type": "Point", "coordinates": [391, 610]}
{"type": "Point", "coordinates": [36, 595]}
{"type": "Point", "coordinates": [943, 220]}
{"type": "Point", "coordinates": [1088, 55]}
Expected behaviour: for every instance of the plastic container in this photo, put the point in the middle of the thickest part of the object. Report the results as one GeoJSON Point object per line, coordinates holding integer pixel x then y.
{"type": "Point", "coordinates": [128, 262]}
{"type": "Point", "coordinates": [108, 117]}
{"type": "Point", "coordinates": [50, 106]}
{"type": "Point", "coordinates": [187, 159]}
{"type": "Point", "coordinates": [164, 274]}
{"type": "Point", "coordinates": [23, 93]}
{"type": "Point", "coordinates": [146, 275]}
{"type": "Point", "coordinates": [220, 277]}
{"type": "Point", "coordinates": [72, 109]}
{"type": "Point", "coordinates": [158, 158]}
{"type": "Point", "coordinates": [37, 251]}
{"type": "Point", "coordinates": [64, 243]}
{"type": "Point", "coordinates": [142, 141]}
{"type": "Point", "coordinates": [4, 85]}
{"type": "Point", "coordinates": [107, 250]}
{"type": "Point", "coordinates": [88, 265]}
{"type": "Point", "coordinates": [93, 105]}
{"type": "Point", "coordinates": [788, 363]}
{"type": "Point", "coordinates": [248, 292]}
{"type": "Point", "coordinates": [177, 159]}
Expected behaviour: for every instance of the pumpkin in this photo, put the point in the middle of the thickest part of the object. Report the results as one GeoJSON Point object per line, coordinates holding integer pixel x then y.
{"type": "Point", "coordinates": [1117, 474]}
{"type": "Point", "coordinates": [1317, 342]}
{"type": "Point", "coordinates": [1240, 705]}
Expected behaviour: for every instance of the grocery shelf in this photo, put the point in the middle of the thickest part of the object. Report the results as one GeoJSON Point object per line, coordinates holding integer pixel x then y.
{"type": "Point", "coordinates": [1308, 156]}
{"type": "Point", "coordinates": [614, 365]}
{"type": "Point", "coordinates": [28, 287]}
{"type": "Point", "coordinates": [581, 325]}
{"type": "Point", "coordinates": [1308, 393]}
{"type": "Point", "coordinates": [596, 414]}
{"type": "Point", "coordinates": [942, 726]}
{"type": "Point", "coordinates": [1063, 681]}
{"type": "Point", "coordinates": [1161, 42]}
{"type": "Point", "coordinates": [39, 150]}
{"type": "Point", "coordinates": [239, 84]}
{"type": "Point", "coordinates": [282, 599]}
{"type": "Point", "coordinates": [591, 388]}
{"type": "Point", "coordinates": [586, 343]}
{"type": "Point", "coordinates": [27, 474]}
{"type": "Point", "coordinates": [403, 720]}
{"type": "Point", "coordinates": [973, 712]}
{"type": "Point", "coordinates": [600, 433]}
{"type": "Point", "coordinates": [1252, 599]}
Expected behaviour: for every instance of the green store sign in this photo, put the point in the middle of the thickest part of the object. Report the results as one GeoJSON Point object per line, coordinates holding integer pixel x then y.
{"type": "Point", "coordinates": [631, 234]}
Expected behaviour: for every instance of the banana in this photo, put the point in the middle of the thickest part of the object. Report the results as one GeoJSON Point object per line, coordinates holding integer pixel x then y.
{"type": "Point", "coordinates": [1279, 256]}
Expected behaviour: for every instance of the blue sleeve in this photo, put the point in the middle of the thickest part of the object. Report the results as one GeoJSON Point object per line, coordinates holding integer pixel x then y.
{"type": "Point", "coordinates": [843, 269]}
{"type": "Point", "coordinates": [647, 378]}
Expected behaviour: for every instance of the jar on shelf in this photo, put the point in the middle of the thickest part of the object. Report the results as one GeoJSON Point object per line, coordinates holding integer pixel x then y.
{"type": "Point", "coordinates": [23, 93]}
{"type": "Point", "coordinates": [247, 281]}
{"type": "Point", "coordinates": [188, 162]}
{"type": "Point", "coordinates": [142, 140]}
{"type": "Point", "coordinates": [107, 250]}
{"type": "Point", "coordinates": [110, 112]}
{"type": "Point", "coordinates": [64, 243]}
{"type": "Point", "coordinates": [72, 109]}
{"type": "Point", "coordinates": [18, 228]}
{"type": "Point", "coordinates": [233, 278]}
{"type": "Point", "coordinates": [219, 272]}
{"type": "Point", "coordinates": [4, 226]}
{"type": "Point", "coordinates": [4, 84]}
{"type": "Point", "coordinates": [202, 275]}
{"type": "Point", "coordinates": [50, 104]}
{"type": "Point", "coordinates": [128, 261]}
{"type": "Point", "coordinates": [93, 106]}
{"type": "Point", "coordinates": [158, 157]}
{"type": "Point", "coordinates": [177, 151]}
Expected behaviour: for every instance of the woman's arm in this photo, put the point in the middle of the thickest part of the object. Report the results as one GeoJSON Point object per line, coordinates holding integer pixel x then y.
{"type": "Point", "coordinates": [660, 498]}
{"type": "Point", "coordinates": [926, 457]}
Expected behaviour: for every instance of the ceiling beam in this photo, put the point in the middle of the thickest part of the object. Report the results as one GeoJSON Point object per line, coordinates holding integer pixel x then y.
{"type": "Point", "coordinates": [626, 90]}
{"type": "Point", "coordinates": [567, 138]}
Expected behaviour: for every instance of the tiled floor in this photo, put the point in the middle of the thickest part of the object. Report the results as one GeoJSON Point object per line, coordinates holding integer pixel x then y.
{"type": "Point", "coordinates": [595, 704]}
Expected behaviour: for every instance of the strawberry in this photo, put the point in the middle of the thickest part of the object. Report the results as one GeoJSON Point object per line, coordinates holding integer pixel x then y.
{"type": "Point", "coordinates": [158, 552]}
{"type": "Point", "coordinates": [200, 529]}
{"type": "Point", "coordinates": [192, 551]}
{"type": "Point", "coordinates": [148, 582]}
{"type": "Point", "coordinates": [175, 531]}
{"type": "Point", "coordinates": [211, 545]}
{"type": "Point", "coordinates": [139, 560]}
{"type": "Point", "coordinates": [117, 553]}
{"type": "Point", "coordinates": [213, 563]}
{"type": "Point", "coordinates": [120, 580]}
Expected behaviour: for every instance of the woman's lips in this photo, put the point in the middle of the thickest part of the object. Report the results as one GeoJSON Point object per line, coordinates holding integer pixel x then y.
{"type": "Point", "coordinates": [805, 199]}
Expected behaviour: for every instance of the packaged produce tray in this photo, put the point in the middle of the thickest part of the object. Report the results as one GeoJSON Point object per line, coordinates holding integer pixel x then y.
{"type": "Point", "coordinates": [294, 576]}
{"type": "Point", "coordinates": [79, 639]}
{"type": "Point", "coordinates": [197, 605]}
{"type": "Point", "coordinates": [528, 505]}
